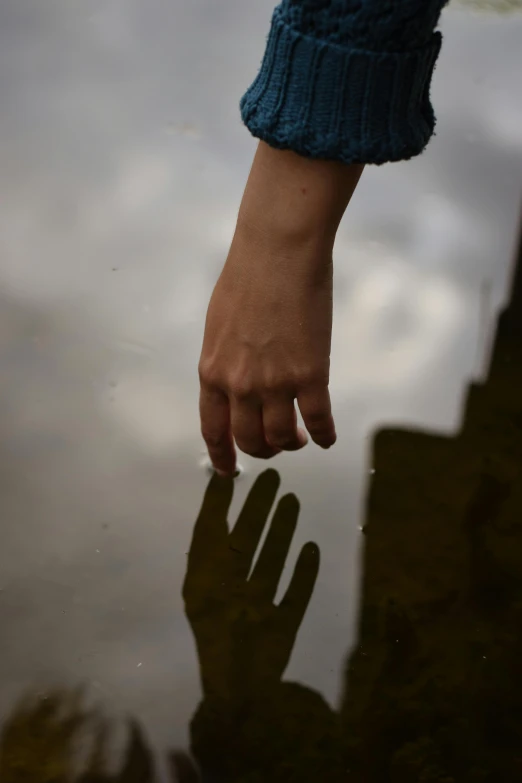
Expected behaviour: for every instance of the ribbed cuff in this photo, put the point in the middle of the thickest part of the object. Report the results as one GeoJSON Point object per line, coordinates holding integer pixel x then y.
{"type": "Point", "coordinates": [326, 101]}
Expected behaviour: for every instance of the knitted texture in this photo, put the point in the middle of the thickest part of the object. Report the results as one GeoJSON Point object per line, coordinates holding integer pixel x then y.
{"type": "Point", "coordinates": [347, 80]}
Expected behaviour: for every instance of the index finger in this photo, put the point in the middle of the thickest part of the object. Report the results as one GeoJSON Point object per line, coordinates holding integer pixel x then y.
{"type": "Point", "coordinates": [214, 412]}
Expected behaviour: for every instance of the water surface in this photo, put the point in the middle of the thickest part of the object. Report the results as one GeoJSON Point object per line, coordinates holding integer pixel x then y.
{"type": "Point", "coordinates": [123, 161]}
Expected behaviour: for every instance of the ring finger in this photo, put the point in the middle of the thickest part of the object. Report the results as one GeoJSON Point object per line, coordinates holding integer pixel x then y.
{"type": "Point", "coordinates": [280, 424]}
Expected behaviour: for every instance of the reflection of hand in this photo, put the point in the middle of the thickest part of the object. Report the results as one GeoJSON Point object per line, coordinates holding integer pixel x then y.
{"type": "Point", "coordinates": [252, 727]}
{"type": "Point", "coordinates": [244, 640]}
{"type": "Point", "coordinates": [182, 769]}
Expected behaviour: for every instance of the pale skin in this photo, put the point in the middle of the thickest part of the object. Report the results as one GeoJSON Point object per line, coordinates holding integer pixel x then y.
{"type": "Point", "coordinates": [269, 322]}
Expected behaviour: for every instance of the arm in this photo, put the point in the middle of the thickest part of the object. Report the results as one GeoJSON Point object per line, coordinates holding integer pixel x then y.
{"type": "Point", "coordinates": [343, 83]}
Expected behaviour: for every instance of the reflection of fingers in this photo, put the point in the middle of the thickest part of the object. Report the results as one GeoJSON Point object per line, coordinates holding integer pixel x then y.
{"type": "Point", "coordinates": [183, 769]}
{"type": "Point", "coordinates": [280, 425]}
{"type": "Point", "coordinates": [271, 561]}
{"type": "Point", "coordinates": [297, 597]}
{"type": "Point", "coordinates": [138, 765]}
{"type": "Point", "coordinates": [316, 410]}
{"type": "Point", "coordinates": [244, 538]}
{"type": "Point", "coordinates": [211, 529]}
{"type": "Point", "coordinates": [247, 427]}
{"type": "Point", "coordinates": [214, 413]}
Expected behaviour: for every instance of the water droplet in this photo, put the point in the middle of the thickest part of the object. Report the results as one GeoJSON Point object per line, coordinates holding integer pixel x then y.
{"type": "Point", "coordinates": [206, 464]}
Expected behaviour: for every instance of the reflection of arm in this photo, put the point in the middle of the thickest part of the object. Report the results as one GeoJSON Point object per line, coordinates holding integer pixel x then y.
{"type": "Point", "coordinates": [347, 79]}
{"type": "Point", "coordinates": [288, 733]}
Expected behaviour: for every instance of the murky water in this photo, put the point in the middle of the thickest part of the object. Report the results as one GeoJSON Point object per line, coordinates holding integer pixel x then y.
{"type": "Point", "coordinates": [394, 653]}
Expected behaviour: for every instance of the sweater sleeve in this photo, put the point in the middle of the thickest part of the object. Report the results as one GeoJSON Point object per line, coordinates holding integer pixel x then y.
{"type": "Point", "coordinates": [347, 80]}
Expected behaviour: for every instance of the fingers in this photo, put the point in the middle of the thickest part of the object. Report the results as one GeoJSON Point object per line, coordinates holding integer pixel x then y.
{"type": "Point", "coordinates": [271, 561]}
{"type": "Point", "coordinates": [244, 538]}
{"type": "Point", "coordinates": [246, 418]}
{"type": "Point", "coordinates": [316, 410]}
{"type": "Point", "coordinates": [210, 535]}
{"type": "Point", "coordinates": [297, 597]}
{"type": "Point", "coordinates": [214, 412]}
{"type": "Point", "coordinates": [211, 528]}
{"type": "Point", "coordinates": [139, 764]}
{"type": "Point", "coordinates": [280, 424]}
{"type": "Point", "coordinates": [262, 426]}
{"type": "Point", "coordinates": [183, 769]}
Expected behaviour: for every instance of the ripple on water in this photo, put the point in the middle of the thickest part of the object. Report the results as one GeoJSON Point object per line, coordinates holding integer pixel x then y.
{"type": "Point", "coordinates": [206, 464]}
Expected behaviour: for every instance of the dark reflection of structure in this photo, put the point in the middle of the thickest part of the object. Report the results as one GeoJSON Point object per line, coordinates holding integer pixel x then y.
{"type": "Point", "coordinates": [433, 689]}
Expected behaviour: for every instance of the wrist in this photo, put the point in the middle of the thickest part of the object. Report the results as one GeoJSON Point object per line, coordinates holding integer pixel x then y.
{"type": "Point", "coordinates": [294, 200]}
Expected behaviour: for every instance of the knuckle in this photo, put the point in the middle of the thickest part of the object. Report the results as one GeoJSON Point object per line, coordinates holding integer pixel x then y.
{"type": "Point", "coordinates": [278, 385]}
{"type": "Point", "coordinates": [208, 373]}
{"type": "Point", "coordinates": [308, 375]}
{"type": "Point", "coordinates": [241, 386]}
{"type": "Point", "coordinates": [241, 391]}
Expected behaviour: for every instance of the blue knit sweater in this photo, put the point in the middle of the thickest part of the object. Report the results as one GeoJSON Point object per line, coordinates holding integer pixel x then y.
{"type": "Point", "coordinates": [347, 80]}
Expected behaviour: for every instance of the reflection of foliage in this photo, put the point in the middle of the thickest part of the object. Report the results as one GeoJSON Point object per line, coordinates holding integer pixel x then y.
{"type": "Point", "coordinates": [37, 742]}
{"type": "Point", "coordinates": [45, 738]}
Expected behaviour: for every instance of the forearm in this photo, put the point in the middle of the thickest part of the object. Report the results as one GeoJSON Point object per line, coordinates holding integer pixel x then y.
{"type": "Point", "coordinates": [293, 201]}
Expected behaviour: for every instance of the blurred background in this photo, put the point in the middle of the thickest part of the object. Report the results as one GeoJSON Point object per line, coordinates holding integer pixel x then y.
{"type": "Point", "coordinates": [123, 160]}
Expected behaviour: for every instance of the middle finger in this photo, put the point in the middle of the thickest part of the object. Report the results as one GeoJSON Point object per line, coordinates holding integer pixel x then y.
{"type": "Point", "coordinates": [246, 419]}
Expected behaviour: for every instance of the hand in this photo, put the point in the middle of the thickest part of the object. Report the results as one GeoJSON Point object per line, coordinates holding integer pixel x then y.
{"type": "Point", "coordinates": [268, 328]}
{"type": "Point", "coordinates": [244, 640]}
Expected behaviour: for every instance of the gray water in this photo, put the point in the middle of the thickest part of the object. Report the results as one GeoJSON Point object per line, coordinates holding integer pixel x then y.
{"type": "Point", "coordinates": [122, 160]}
